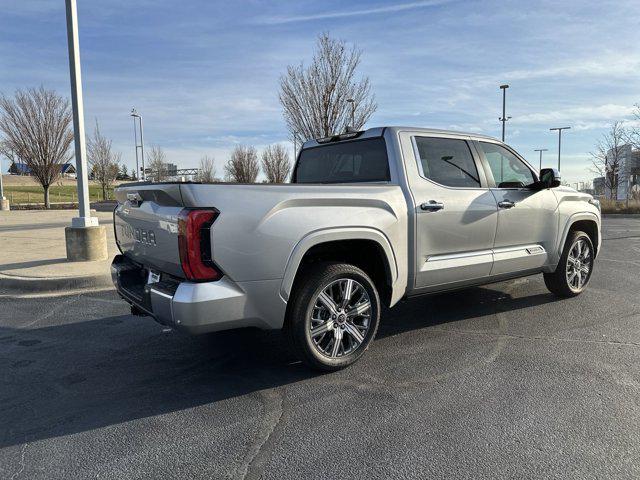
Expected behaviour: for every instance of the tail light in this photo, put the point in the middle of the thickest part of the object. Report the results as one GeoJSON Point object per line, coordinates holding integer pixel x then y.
{"type": "Point", "coordinates": [194, 240]}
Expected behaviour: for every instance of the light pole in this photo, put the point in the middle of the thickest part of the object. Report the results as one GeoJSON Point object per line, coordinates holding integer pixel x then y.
{"type": "Point", "coordinates": [353, 112]}
{"type": "Point", "coordinates": [85, 239]}
{"type": "Point", "coordinates": [295, 146]}
{"type": "Point", "coordinates": [135, 115]}
{"type": "Point", "coordinates": [504, 108]}
{"type": "Point", "coordinates": [541, 150]}
{"type": "Point", "coordinates": [85, 219]}
{"type": "Point", "coordinates": [3, 201]}
{"type": "Point", "coordinates": [559, 129]}
{"type": "Point", "coordinates": [135, 141]}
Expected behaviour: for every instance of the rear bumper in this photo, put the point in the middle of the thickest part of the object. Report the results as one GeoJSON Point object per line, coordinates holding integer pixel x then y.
{"type": "Point", "coordinates": [198, 307]}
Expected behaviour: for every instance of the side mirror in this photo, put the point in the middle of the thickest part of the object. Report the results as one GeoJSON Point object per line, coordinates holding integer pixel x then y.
{"type": "Point", "coordinates": [549, 178]}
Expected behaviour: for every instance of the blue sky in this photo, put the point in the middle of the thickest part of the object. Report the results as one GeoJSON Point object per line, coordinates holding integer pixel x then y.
{"type": "Point", "coordinates": [204, 74]}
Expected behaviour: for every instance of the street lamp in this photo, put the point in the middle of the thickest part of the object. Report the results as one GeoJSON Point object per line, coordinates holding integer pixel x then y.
{"type": "Point", "coordinates": [559, 129]}
{"type": "Point", "coordinates": [541, 150]}
{"type": "Point", "coordinates": [4, 204]}
{"type": "Point", "coordinates": [295, 145]}
{"type": "Point", "coordinates": [353, 111]}
{"type": "Point", "coordinates": [85, 239]}
{"type": "Point", "coordinates": [135, 115]}
{"type": "Point", "coordinates": [504, 108]}
{"type": "Point", "coordinates": [135, 141]}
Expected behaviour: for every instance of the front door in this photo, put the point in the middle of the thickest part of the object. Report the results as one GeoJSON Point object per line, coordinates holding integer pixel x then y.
{"type": "Point", "coordinates": [527, 224]}
{"type": "Point", "coordinates": [455, 212]}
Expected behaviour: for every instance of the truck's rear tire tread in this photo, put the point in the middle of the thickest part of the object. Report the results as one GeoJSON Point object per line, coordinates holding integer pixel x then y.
{"type": "Point", "coordinates": [312, 278]}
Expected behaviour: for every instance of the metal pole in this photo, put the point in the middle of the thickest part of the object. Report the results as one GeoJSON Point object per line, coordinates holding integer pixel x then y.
{"type": "Point", "coordinates": [628, 185]}
{"type": "Point", "coordinates": [353, 111]}
{"type": "Point", "coordinates": [1, 185]}
{"type": "Point", "coordinates": [504, 108]}
{"type": "Point", "coordinates": [540, 161]}
{"type": "Point", "coordinates": [85, 219]}
{"type": "Point", "coordinates": [540, 150]}
{"type": "Point", "coordinates": [295, 146]}
{"type": "Point", "coordinates": [559, 146]}
{"type": "Point", "coordinates": [144, 175]}
{"type": "Point", "coordinates": [559, 129]}
{"type": "Point", "coordinates": [135, 139]}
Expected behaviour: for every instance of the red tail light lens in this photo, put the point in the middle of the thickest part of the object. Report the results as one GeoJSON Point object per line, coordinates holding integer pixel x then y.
{"type": "Point", "coordinates": [194, 240]}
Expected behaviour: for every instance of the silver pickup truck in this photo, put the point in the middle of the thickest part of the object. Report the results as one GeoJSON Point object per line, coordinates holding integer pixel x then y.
{"type": "Point", "coordinates": [368, 219]}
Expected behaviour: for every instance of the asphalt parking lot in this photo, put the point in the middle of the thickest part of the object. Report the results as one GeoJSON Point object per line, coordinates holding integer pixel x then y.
{"type": "Point", "coordinates": [492, 382]}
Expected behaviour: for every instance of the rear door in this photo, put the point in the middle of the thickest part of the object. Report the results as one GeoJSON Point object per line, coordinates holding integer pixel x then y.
{"type": "Point", "coordinates": [455, 212]}
{"type": "Point", "coordinates": [527, 220]}
{"type": "Point", "coordinates": [146, 225]}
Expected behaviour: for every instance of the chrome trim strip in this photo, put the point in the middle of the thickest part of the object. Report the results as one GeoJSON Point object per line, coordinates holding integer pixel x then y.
{"type": "Point", "coordinates": [455, 256]}
{"type": "Point", "coordinates": [534, 246]}
{"type": "Point", "coordinates": [162, 294]}
{"type": "Point", "coordinates": [538, 250]}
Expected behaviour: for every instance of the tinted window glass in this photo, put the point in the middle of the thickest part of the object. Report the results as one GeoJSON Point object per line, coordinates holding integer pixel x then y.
{"type": "Point", "coordinates": [345, 162]}
{"type": "Point", "coordinates": [508, 170]}
{"type": "Point", "coordinates": [448, 162]}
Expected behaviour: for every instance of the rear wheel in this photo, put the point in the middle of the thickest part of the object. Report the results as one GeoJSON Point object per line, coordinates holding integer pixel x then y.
{"type": "Point", "coordinates": [333, 316]}
{"type": "Point", "coordinates": [575, 267]}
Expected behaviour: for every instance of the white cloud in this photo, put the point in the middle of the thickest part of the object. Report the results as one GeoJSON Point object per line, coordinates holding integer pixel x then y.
{"type": "Point", "coordinates": [280, 19]}
{"type": "Point", "coordinates": [584, 118]}
{"type": "Point", "coordinates": [613, 65]}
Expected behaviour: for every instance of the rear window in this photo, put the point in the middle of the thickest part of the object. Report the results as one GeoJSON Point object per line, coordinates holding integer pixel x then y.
{"type": "Point", "coordinates": [345, 162]}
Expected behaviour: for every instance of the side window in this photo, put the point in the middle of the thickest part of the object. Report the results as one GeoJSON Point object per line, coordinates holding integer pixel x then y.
{"type": "Point", "coordinates": [447, 161]}
{"type": "Point", "coordinates": [508, 170]}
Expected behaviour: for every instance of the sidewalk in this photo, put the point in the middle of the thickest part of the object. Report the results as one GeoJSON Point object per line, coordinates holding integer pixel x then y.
{"type": "Point", "coordinates": [33, 253]}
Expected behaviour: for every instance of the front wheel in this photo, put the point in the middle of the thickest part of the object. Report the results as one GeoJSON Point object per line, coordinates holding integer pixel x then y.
{"type": "Point", "coordinates": [575, 267]}
{"type": "Point", "coordinates": [333, 316]}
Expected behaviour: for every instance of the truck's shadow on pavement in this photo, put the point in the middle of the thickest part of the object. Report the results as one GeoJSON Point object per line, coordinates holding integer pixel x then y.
{"type": "Point", "coordinates": [75, 377]}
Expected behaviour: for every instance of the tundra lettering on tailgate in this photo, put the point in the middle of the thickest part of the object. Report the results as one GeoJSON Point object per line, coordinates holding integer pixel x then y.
{"type": "Point", "coordinates": [139, 235]}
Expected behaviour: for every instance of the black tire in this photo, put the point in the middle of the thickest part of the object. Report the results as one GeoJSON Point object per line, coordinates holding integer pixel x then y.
{"type": "Point", "coordinates": [303, 304]}
{"type": "Point", "coordinates": [558, 282]}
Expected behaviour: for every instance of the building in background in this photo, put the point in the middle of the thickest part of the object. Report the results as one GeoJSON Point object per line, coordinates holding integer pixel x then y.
{"type": "Point", "coordinates": [171, 169]}
{"type": "Point", "coordinates": [627, 179]}
{"type": "Point", "coordinates": [598, 186]}
{"type": "Point", "coordinates": [17, 168]}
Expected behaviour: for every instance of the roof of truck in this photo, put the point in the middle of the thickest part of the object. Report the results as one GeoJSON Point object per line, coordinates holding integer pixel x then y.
{"type": "Point", "coordinates": [379, 131]}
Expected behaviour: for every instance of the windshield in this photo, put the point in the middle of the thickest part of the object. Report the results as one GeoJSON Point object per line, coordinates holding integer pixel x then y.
{"type": "Point", "coordinates": [344, 162]}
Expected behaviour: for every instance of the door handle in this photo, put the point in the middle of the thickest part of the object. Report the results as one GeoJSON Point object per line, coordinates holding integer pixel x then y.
{"type": "Point", "coordinates": [506, 204]}
{"type": "Point", "coordinates": [432, 206]}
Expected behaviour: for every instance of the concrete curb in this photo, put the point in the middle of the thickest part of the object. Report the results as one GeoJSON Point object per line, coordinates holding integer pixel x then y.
{"type": "Point", "coordinates": [15, 283]}
{"type": "Point", "coordinates": [621, 215]}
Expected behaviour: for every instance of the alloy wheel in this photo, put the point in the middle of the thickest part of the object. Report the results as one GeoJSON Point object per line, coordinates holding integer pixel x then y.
{"type": "Point", "coordinates": [578, 265]}
{"type": "Point", "coordinates": [340, 318]}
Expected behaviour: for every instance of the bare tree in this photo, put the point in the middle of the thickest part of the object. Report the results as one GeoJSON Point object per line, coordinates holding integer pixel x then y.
{"type": "Point", "coordinates": [157, 161]}
{"type": "Point", "coordinates": [275, 163]}
{"type": "Point", "coordinates": [314, 98]}
{"type": "Point", "coordinates": [207, 170]}
{"type": "Point", "coordinates": [633, 133]}
{"type": "Point", "coordinates": [36, 124]}
{"type": "Point", "coordinates": [8, 153]}
{"type": "Point", "coordinates": [243, 166]}
{"type": "Point", "coordinates": [606, 160]}
{"type": "Point", "coordinates": [105, 164]}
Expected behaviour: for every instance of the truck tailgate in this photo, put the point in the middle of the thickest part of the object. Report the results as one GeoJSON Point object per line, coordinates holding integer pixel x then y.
{"type": "Point", "coordinates": [146, 225]}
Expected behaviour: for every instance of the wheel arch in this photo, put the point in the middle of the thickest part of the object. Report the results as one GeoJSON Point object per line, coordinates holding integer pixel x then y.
{"type": "Point", "coordinates": [585, 221]}
{"type": "Point", "coordinates": [366, 248]}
